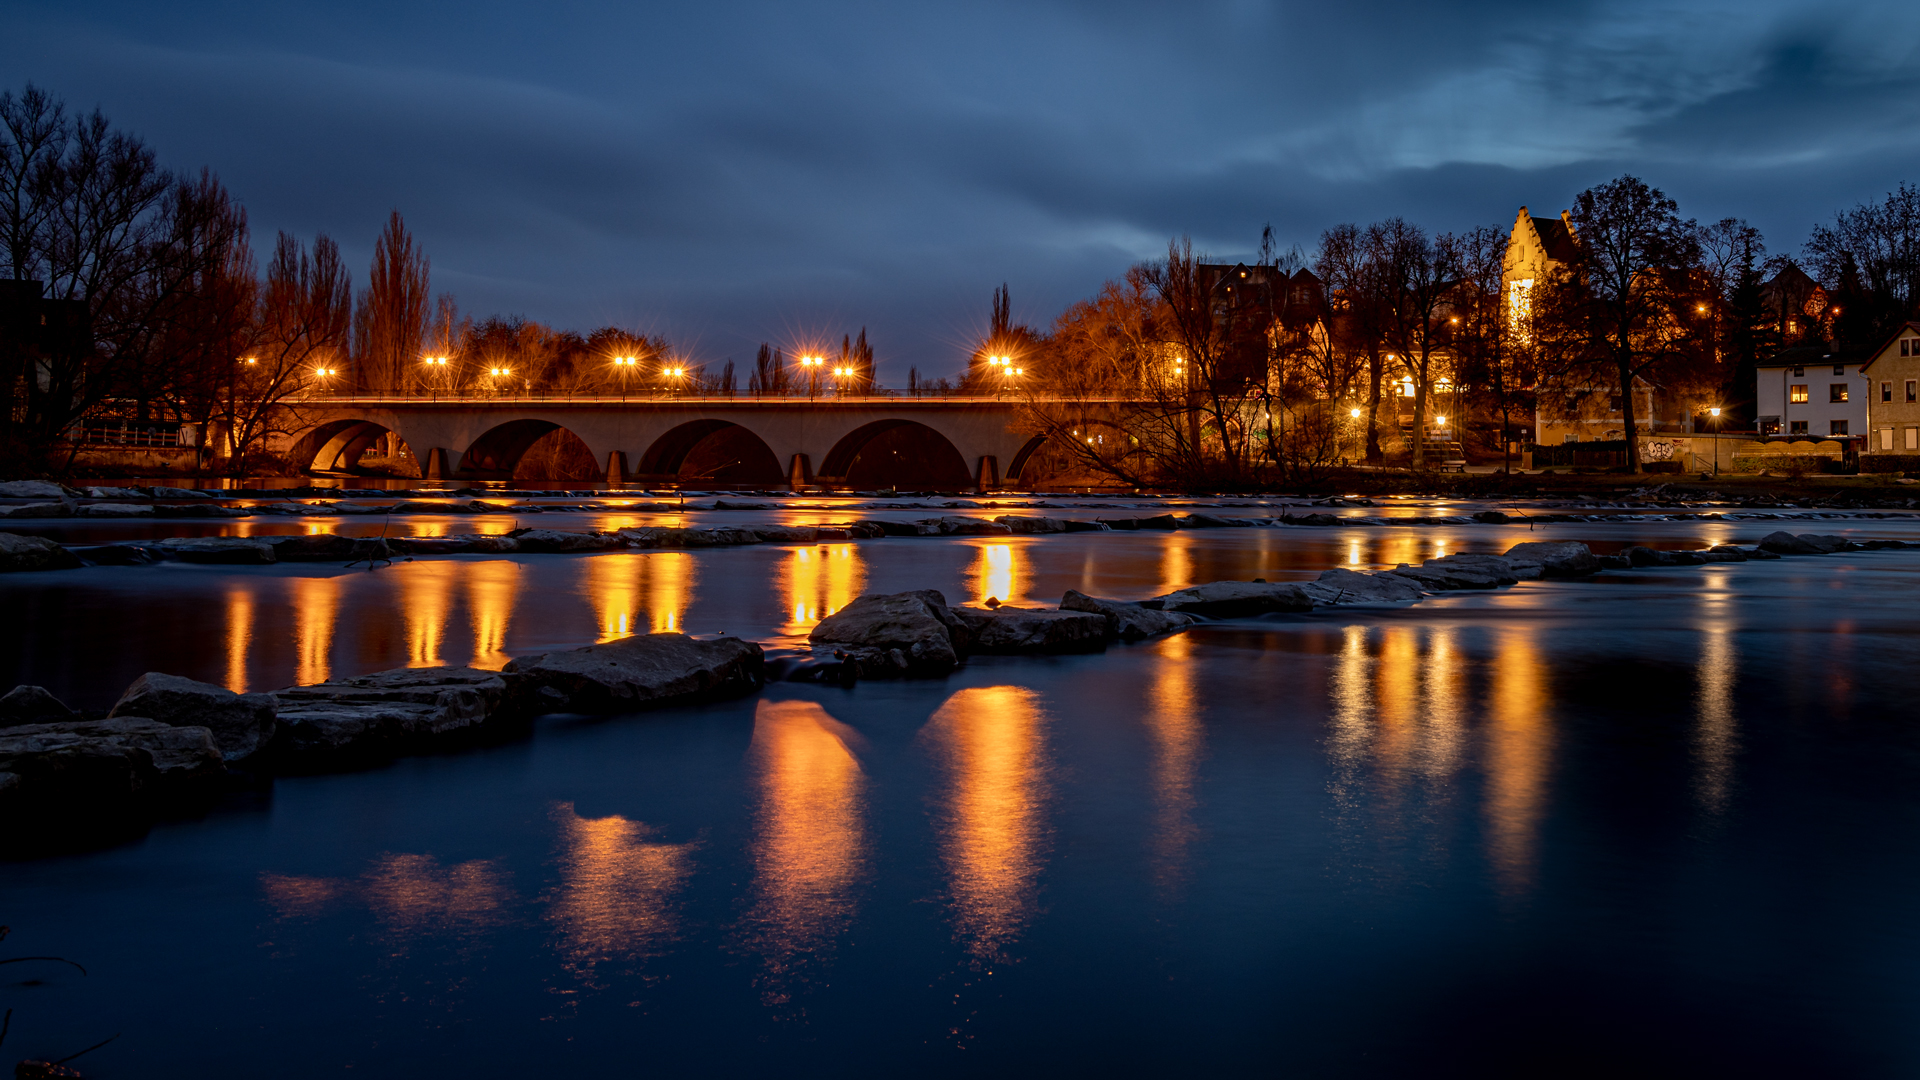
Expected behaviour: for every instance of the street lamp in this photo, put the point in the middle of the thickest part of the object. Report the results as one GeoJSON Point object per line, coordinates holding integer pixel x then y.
{"type": "Point", "coordinates": [1715, 413]}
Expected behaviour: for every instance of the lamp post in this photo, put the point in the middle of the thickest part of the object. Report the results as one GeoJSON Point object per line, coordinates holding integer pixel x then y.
{"type": "Point", "coordinates": [436, 373]}
{"type": "Point", "coordinates": [1715, 414]}
{"type": "Point", "coordinates": [625, 366]}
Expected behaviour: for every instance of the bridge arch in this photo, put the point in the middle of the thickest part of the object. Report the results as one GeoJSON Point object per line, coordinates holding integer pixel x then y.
{"type": "Point", "coordinates": [896, 452]}
{"type": "Point", "coordinates": [499, 452]}
{"type": "Point", "coordinates": [718, 451]}
{"type": "Point", "coordinates": [338, 445]}
{"type": "Point", "coordinates": [1017, 469]}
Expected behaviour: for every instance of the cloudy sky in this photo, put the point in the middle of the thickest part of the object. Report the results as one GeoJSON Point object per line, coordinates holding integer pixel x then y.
{"type": "Point", "coordinates": [729, 174]}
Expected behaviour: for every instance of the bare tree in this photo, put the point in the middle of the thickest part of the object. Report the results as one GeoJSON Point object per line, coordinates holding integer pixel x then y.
{"type": "Point", "coordinates": [1631, 282]}
{"type": "Point", "coordinates": [301, 323]}
{"type": "Point", "coordinates": [392, 317]}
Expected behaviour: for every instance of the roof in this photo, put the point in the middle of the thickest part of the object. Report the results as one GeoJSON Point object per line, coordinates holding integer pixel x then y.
{"type": "Point", "coordinates": [1809, 356]}
{"type": "Point", "coordinates": [1880, 350]}
{"type": "Point", "coordinates": [1557, 239]}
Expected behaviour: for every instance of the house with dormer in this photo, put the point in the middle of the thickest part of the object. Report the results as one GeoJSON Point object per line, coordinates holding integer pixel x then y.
{"type": "Point", "coordinates": [1892, 377]}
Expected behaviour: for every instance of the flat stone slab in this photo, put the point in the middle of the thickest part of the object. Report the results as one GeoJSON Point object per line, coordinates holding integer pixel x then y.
{"type": "Point", "coordinates": [385, 711]}
{"type": "Point", "coordinates": [33, 553]}
{"type": "Point", "coordinates": [1340, 586]}
{"type": "Point", "coordinates": [631, 672]}
{"type": "Point", "coordinates": [1016, 631]}
{"type": "Point", "coordinates": [1126, 621]}
{"type": "Point", "coordinates": [1235, 599]}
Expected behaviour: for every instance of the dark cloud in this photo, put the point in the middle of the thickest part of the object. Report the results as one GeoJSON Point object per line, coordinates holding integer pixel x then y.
{"type": "Point", "coordinates": [760, 171]}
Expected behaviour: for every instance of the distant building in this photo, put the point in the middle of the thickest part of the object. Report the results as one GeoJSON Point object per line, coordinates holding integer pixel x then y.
{"type": "Point", "coordinates": [1812, 392]}
{"type": "Point", "coordinates": [1892, 377]}
{"type": "Point", "coordinates": [1796, 305]}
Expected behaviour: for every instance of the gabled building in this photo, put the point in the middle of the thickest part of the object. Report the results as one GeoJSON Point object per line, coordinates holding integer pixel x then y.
{"type": "Point", "coordinates": [1812, 392]}
{"type": "Point", "coordinates": [1892, 377]}
{"type": "Point", "coordinates": [1538, 249]}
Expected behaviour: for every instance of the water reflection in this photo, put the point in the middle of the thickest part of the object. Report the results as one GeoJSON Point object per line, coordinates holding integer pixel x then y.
{"type": "Point", "coordinates": [1717, 733]}
{"type": "Point", "coordinates": [1176, 562]}
{"type": "Point", "coordinates": [991, 832]}
{"type": "Point", "coordinates": [491, 589]}
{"type": "Point", "coordinates": [426, 600]}
{"type": "Point", "coordinates": [618, 890]}
{"type": "Point", "coordinates": [810, 840]}
{"type": "Point", "coordinates": [1519, 752]}
{"type": "Point", "coordinates": [316, 605]}
{"type": "Point", "coordinates": [239, 637]}
{"type": "Point", "coordinates": [411, 895]}
{"type": "Point", "coordinates": [1173, 720]}
{"type": "Point", "coordinates": [999, 571]}
{"type": "Point", "coordinates": [815, 582]}
{"type": "Point", "coordinates": [640, 593]}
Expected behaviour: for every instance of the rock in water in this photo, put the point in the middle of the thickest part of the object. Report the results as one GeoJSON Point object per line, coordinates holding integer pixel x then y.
{"type": "Point", "coordinates": [1443, 578]}
{"type": "Point", "coordinates": [552, 540]}
{"type": "Point", "coordinates": [910, 634]}
{"type": "Point", "coordinates": [630, 672]}
{"type": "Point", "coordinates": [33, 553]}
{"type": "Point", "coordinates": [1342, 586]}
{"type": "Point", "coordinates": [86, 777]}
{"type": "Point", "coordinates": [1013, 630]}
{"type": "Point", "coordinates": [1235, 599]}
{"type": "Point", "coordinates": [31, 489]}
{"type": "Point", "coordinates": [218, 549]}
{"type": "Point", "coordinates": [1557, 558]}
{"type": "Point", "coordinates": [242, 724]}
{"type": "Point", "coordinates": [31, 705]}
{"type": "Point", "coordinates": [1125, 621]}
{"type": "Point", "coordinates": [384, 712]}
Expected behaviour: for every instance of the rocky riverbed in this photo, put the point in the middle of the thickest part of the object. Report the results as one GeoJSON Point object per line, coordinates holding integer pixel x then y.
{"type": "Point", "coordinates": [171, 744]}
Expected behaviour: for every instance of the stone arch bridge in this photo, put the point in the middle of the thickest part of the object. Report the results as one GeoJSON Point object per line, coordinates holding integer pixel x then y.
{"type": "Point", "coordinates": [939, 441]}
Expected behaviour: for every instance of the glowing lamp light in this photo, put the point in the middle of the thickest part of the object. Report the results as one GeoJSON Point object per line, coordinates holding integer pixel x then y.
{"type": "Point", "coordinates": [1441, 420]}
{"type": "Point", "coordinates": [1713, 411]}
{"type": "Point", "coordinates": [1355, 413]}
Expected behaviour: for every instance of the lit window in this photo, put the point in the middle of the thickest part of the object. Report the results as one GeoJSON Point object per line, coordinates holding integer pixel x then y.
{"type": "Point", "coordinates": [1797, 393]}
{"type": "Point", "coordinates": [1913, 438]}
{"type": "Point", "coordinates": [1913, 391]}
{"type": "Point", "coordinates": [1886, 438]}
{"type": "Point", "coordinates": [1836, 392]}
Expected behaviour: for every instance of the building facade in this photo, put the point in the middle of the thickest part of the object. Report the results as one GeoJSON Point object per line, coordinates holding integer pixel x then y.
{"type": "Point", "coordinates": [1892, 384]}
{"type": "Point", "coordinates": [1811, 392]}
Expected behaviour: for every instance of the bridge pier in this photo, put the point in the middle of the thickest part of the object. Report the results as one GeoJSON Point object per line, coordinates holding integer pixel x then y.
{"type": "Point", "coordinates": [433, 464]}
{"type": "Point", "coordinates": [800, 473]}
{"type": "Point", "coordinates": [987, 477]}
{"type": "Point", "coordinates": [616, 468]}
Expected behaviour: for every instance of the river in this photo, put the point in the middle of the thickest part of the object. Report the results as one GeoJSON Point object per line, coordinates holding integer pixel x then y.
{"type": "Point", "coordinates": [1658, 823]}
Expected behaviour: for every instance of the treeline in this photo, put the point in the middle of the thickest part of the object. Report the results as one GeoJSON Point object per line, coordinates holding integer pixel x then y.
{"type": "Point", "coordinates": [136, 295]}
{"type": "Point", "coordinates": [1291, 362]}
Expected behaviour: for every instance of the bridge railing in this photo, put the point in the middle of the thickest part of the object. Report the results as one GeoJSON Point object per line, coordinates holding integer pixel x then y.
{"type": "Point", "coordinates": [550, 397]}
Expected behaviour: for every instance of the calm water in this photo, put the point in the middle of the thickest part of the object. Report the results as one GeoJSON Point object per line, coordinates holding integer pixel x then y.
{"type": "Point", "coordinates": [1659, 823]}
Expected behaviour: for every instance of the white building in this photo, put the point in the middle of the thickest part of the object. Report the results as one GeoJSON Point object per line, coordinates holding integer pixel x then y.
{"type": "Point", "coordinates": [1811, 392]}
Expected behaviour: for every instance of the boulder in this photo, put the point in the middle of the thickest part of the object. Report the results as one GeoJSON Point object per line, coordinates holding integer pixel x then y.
{"type": "Point", "coordinates": [1211, 521]}
{"type": "Point", "coordinates": [963, 526]}
{"type": "Point", "coordinates": [384, 712]}
{"type": "Point", "coordinates": [1342, 586]}
{"type": "Point", "coordinates": [1125, 621]}
{"type": "Point", "coordinates": [631, 672]}
{"type": "Point", "coordinates": [1235, 599]}
{"type": "Point", "coordinates": [31, 705]}
{"type": "Point", "coordinates": [432, 545]}
{"type": "Point", "coordinates": [1159, 521]}
{"type": "Point", "coordinates": [116, 510]}
{"type": "Point", "coordinates": [33, 553]}
{"type": "Point", "coordinates": [1826, 545]}
{"type": "Point", "coordinates": [180, 493]}
{"type": "Point", "coordinates": [172, 753]}
{"type": "Point", "coordinates": [492, 545]}
{"type": "Point", "coordinates": [1761, 555]}
{"type": "Point", "coordinates": [37, 510]}
{"type": "Point", "coordinates": [911, 634]}
{"type": "Point", "coordinates": [1646, 556]}
{"type": "Point", "coordinates": [1619, 562]}
{"type": "Point", "coordinates": [242, 724]}
{"type": "Point", "coordinates": [1508, 570]}
{"type": "Point", "coordinates": [1490, 517]}
{"type": "Point", "coordinates": [1011, 630]}
{"type": "Point", "coordinates": [236, 550]}
{"type": "Point", "coordinates": [31, 489]}
{"type": "Point", "coordinates": [1126, 524]}
{"type": "Point", "coordinates": [1087, 526]}
{"type": "Point", "coordinates": [1557, 558]}
{"type": "Point", "coordinates": [114, 493]}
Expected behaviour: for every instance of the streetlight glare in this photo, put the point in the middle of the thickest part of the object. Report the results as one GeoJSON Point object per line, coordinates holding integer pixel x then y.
{"type": "Point", "coordinates": [1355, 413]}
